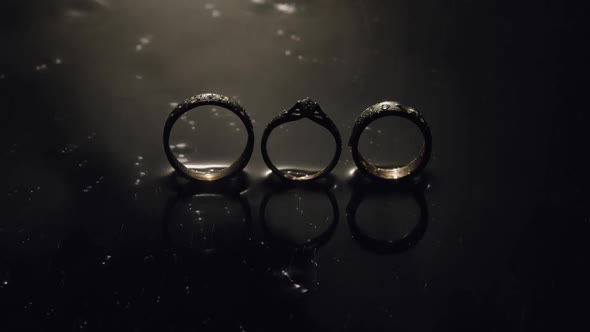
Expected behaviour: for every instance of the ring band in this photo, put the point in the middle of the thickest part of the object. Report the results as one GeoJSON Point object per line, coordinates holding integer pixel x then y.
{"type": "Point", "coordinates": [209, 174]}
{"type": "Point", "coordinates": [380, 110]}
{"type": "Point", "coordinates": [305, 108]}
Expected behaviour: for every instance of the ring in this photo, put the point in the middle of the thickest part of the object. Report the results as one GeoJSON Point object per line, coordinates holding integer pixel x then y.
{"type": "Point", "coordinates": [380, 110]}
{"type": "Point", "coordinates": [305, 108]}
{"type": "Point", "coordinates": [209, 174]}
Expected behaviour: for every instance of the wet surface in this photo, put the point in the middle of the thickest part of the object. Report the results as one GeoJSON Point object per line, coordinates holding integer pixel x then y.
{"type": "Point", "coordinates": [98, 233]}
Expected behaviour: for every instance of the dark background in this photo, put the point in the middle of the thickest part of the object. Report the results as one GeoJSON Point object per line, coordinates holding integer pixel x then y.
{"type": "Point", "coordinates": [97, 232]}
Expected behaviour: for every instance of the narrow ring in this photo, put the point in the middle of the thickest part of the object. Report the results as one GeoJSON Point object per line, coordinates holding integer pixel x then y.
{"type": "Point", "coordinates": [305, 108]}
{"type": "Point", "coordinates": [396, 173]}
{"type": "Point", "coordinates": [210, 174]}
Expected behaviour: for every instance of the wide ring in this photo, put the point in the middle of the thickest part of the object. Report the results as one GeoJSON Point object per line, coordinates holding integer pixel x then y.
{"type": "Point", "coordinates": [395, 173]}
{"type": "Point", "coordinates": [209, 173]}
{"type": "Point", "coordinates": [305, 108]}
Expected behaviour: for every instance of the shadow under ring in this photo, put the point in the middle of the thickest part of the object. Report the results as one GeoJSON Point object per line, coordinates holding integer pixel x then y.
{"type": "Point", "coordinates": [305, 108]}
{"type": "Point", "coordinates": [209, 99]}
{"type": "Point", "coordinates": [179, 198]}
{"type": "Point", "coordinates": [314, 243]}
{"type": "Point", "coordinates": [387, 246]}
{"type": "Point", "coordinates": [393, 173]}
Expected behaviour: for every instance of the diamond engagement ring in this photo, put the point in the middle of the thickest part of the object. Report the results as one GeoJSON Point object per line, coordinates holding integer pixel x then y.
{"type": "Point", "coordinates": [309, 109]}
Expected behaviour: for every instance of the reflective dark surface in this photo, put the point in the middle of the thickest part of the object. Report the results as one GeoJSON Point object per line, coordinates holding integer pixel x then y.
{"type": "Point", "coordinates": [97, 233]}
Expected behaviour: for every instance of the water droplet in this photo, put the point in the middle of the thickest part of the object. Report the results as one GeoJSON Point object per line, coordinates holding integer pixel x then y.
{"type": "Point", "coordinates": [139, 77]}
{"type": "Point", "coordinates": [68, 149]}
{"type": "Point", "coordinates": [58, 61]}
{"type": "Point", "coordinates": [74, 13]}
{"type": "Point", "coordinates": [287, 52]}
{"type": "Point", "coordinates": [286, 8]}
{"type": "Point", "coordinates": [145, 40]}
{"type": "Point", "coordinates": [280, 32]}
{"type": "Point", "coordinates": [215, 13]}
{"type": "Point", "coordinates": [149, 259]}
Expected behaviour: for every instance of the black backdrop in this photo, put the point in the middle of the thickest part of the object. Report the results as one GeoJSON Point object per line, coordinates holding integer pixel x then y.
{"type": "Point", "coordinates": [97, 233]}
